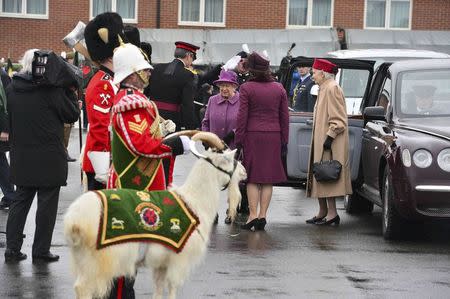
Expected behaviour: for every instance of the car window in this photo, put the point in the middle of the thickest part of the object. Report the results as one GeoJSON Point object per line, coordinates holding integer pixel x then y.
{"type": "Point", "coordinates": [353, 83]}
{"type": "Point", "coordinates": [424, 93]}
{"type": "Point", "coordinates": [384, 98]}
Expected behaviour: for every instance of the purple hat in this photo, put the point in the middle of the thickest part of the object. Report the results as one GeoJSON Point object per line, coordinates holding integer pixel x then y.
{"type": "Point", "coordinates": [258, 63]}
{"type": "Point", "coordinates": [227, 77]}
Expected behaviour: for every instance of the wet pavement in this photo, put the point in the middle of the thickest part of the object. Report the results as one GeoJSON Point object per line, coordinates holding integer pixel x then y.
{"type": "Point", "coordinates": [290, 259]}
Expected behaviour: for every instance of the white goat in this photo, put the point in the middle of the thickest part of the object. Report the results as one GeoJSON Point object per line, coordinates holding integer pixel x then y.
{"type": "Point", "coordinates": [95, 269]}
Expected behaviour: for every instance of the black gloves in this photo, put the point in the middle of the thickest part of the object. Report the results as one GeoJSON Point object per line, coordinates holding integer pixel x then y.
{"type": "Point", "coordinates": [228, 138]}
{"type": "Point", "coordinates": [327, 143]}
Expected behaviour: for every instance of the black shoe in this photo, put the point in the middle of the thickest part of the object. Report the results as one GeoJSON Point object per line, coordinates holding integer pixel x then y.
{"type": "Point", "coordinates": [336, 220]}
{"type": "Point", "coordinates": [261, 224]}
{"type": "Point", "coordinates": [4, 205]}
{"type": "Point", "coordinates": [14, 256]}
{"type": "Point", "coordinates": [314, 220]}
{"type": "Point", "coordinates": [46, 257]}
{"type": "Point", "coordinates": [216, 220]}
{"type": "Point", "coordinates": [249, 225]}
{"type": "Point", "coordinates": [70, 159]}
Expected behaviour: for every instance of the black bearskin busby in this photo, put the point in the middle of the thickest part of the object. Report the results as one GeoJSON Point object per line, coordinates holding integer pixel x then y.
{"type": "Point", "coordinates": [132, 34]}
{"type": "Point", "coordinates": [97, 48]}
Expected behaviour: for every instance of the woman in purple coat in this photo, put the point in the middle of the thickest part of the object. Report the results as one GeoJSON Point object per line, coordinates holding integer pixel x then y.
{"type": "Point", "coordinates": [221, 112]}
{"type": "Point", "coordinates": [262, 132]}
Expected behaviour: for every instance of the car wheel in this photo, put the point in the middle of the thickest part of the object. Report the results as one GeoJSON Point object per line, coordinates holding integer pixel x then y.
{"type": "Point", "coordinates": [355, 204]}
{"type": "Point", "coordinates": [393, 223]}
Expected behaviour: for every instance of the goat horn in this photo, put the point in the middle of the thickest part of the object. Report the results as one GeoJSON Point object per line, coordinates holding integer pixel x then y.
{"type": "Point", "coordinates": [209, 138]}
{"type": "Point", "coordinates": [188, 133]}
{"type": "Point", "coordinates": [103, 33]}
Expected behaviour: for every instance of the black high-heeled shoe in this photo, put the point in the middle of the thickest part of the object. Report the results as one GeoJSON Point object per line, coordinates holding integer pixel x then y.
{"type": "Point", "coordinates": [314, 220]}
{"type": "Point", "coordinates": [249, 225]}
{"type": "Point", "coordinates": [261, 224]}
{"type": "Point", "coordinates": [336, 220]}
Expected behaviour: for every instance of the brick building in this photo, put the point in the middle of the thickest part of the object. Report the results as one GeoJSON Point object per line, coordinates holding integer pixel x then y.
{"type": "Point", "coordinates": [43, 23]}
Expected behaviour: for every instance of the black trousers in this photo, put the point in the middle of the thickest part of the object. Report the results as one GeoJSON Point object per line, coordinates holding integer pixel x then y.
{"type": "Point", "coordinates": [93, 184]}
{"type": "Point", "coordinates": [47, 208]}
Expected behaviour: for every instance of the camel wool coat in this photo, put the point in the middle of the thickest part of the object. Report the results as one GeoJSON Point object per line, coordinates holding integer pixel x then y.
{"type": "Point", "coordinates": [330, 119]}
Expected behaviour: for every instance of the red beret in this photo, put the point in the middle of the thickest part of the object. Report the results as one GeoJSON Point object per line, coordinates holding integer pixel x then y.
{"type": "Point", "coordinates": [325, 65]}
{"type": "Point", "coordinates": [187, 46]}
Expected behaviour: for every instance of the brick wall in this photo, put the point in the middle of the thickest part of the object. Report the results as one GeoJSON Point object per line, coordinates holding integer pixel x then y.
{"type": "Point", "coordinates": [431, 15]}
{"type": "Point", "coordinates": [349, 14]}
{"type": "Point", "coordinates": [20, 34]}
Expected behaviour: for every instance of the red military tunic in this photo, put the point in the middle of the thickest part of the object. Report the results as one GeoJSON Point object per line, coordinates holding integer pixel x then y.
{"type": "Point", "coordinates": [137, 143]}
{"type": "Point", "coordinates": [99, 100]}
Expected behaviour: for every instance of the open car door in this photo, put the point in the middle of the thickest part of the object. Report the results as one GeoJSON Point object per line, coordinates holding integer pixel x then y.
{"type": "Point", "coordinates": [354, 77]}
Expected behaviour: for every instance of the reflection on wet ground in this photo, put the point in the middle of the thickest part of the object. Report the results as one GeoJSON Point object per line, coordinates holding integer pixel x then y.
{"type": "Point", "coordinates": [291, 259]}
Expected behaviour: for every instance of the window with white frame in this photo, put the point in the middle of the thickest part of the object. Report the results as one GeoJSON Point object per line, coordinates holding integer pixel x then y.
{"type": "Point", "coordinates": [24, 8]}
{"type": "Point", "coordinates": [310, 13]}
{"type": "Point", "coordinates": [388, 14]}
{"type": "Point", "coordinates": [202, 12]}
{"type": "Point", "coordinates": [127, 9]}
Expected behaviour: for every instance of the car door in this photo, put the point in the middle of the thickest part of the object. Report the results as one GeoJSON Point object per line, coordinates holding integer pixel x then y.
{"type": "Point", "coordinates": [301, 123]}
{"type": "Point", "coordinates": [373, 146]}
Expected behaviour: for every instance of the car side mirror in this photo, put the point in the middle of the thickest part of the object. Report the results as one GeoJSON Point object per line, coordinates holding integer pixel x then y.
{"type": "Point", "coordinates": [374, 113]}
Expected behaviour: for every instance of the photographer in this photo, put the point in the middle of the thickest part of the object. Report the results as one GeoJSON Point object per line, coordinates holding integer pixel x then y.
{"type": "Point", "coordinates": [40, 101]}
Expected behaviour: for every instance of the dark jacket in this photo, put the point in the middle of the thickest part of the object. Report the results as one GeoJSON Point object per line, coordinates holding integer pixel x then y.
{"type": "Point", "coordinates": [173, 84]}
{"type": "Point", "coordinates": [36, 117]}
{"type": "Point", "coordinates": [303, 100]}
{"type": "Point", "coordinates": [4, 127]}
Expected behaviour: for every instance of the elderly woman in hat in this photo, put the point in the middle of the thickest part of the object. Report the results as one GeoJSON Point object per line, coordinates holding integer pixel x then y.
{"type": "Point", "coordinates": [262, 133]}
{"type": "Point", "coordinates": [330, 135]}
{"type": "Point", "coordinates": [221, 112]}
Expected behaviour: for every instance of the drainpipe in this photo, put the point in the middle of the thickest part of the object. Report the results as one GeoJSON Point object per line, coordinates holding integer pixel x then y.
{"type": "Point", "coordinates": [158, 14]}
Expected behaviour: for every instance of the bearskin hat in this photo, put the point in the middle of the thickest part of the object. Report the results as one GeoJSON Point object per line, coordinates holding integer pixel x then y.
{"type": "Point", "coordinates": [132, 34]}
{"type": "Point", "coordinates": [97, 48]}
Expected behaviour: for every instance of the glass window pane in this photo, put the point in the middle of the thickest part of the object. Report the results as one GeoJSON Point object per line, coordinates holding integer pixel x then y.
{"type": "Point", "coordinates": [376, 10]}
{"type": "Point", "coordinates": [14, 6]}
{"type": "Point", "coordinates": [399, 14]}
{"type": "Point", "coordinates": [100, 6]}
{"type": "Point", "coordinates": [214, 11]}
{"type": "Point", "coordinates": [321, 13]}
{"type": "Point", "coordinates": [190, 10]}
{"type": "Point", "coordinates": [36, 7]}
{"type": "Point", "coordinates": [298, 10]}
{"type": "Point", "coordinates": [126, 9]}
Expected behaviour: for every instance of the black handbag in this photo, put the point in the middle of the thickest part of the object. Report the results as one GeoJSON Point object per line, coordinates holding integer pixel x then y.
{"type": "Point", "coordinates": [327, 171]}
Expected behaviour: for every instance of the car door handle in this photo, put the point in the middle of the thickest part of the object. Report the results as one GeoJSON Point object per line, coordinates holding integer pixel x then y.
{"type": "Point", "coordinates": [309, 122]}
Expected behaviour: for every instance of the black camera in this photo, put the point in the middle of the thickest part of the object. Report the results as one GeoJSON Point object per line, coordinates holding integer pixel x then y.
{"type": "Point", "coordinates": [50, 69]}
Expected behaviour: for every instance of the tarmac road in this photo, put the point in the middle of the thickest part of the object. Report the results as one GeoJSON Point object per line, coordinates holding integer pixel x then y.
{"type": "Point", "coordinates": [290, 259]}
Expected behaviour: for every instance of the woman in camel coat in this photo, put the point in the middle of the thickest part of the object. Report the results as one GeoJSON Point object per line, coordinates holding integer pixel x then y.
{"type": "Point", "coordinates": [330, 132]}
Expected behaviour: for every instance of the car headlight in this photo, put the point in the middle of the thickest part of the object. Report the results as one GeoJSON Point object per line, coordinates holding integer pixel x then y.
{"type": "Point", "coordinates": [422, 158]}
{"type": "Point", "coordinates": [443, 159]}
{"type": "Point", "coordinates": [406, 157]}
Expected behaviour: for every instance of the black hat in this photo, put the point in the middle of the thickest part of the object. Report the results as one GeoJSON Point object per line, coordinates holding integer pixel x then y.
{"type": "Point", "coordinates": [132, 34]}
{"type": "Point", "coordinates": [243, 54]}
{"type": "Point", "coordinates": [97, 48]}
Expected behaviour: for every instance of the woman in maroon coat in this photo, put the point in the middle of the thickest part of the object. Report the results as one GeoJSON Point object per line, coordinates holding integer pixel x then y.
{"type": "Point", "coordinates": [262, 133]}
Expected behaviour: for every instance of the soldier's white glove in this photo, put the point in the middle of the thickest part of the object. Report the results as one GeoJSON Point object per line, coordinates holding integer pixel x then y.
{"type": "Point", "coordinates": [186, 144]}
{"type": "Point", "coordinates": [167, 127]}
{"type": "Point", "coordinates": [232, 63]}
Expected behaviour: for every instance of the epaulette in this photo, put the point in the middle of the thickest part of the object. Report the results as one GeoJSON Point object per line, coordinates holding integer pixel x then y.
{"type": "Point", "coordinates": [192, 70]}
{"type": "Point", "coordinates": [130, 102]}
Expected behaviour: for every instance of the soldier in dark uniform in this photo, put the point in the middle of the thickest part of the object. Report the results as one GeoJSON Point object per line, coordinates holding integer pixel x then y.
{"type": "Point", "coordinates": [172, 87]}
{"type": "Point", "coordinates": [302, 99]}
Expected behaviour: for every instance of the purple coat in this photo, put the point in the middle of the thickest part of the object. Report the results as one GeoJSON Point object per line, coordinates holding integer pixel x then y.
{"type": "Point", "coordinates": [221, 115]}
{"type": "Point", "coordinates": [263, 108]}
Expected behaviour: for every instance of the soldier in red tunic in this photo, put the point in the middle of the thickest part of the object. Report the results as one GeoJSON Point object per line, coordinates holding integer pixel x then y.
{"type": "Point", "coordinates": [102, 36]}
{"type": "Point", "coordinates": [137, 130]}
